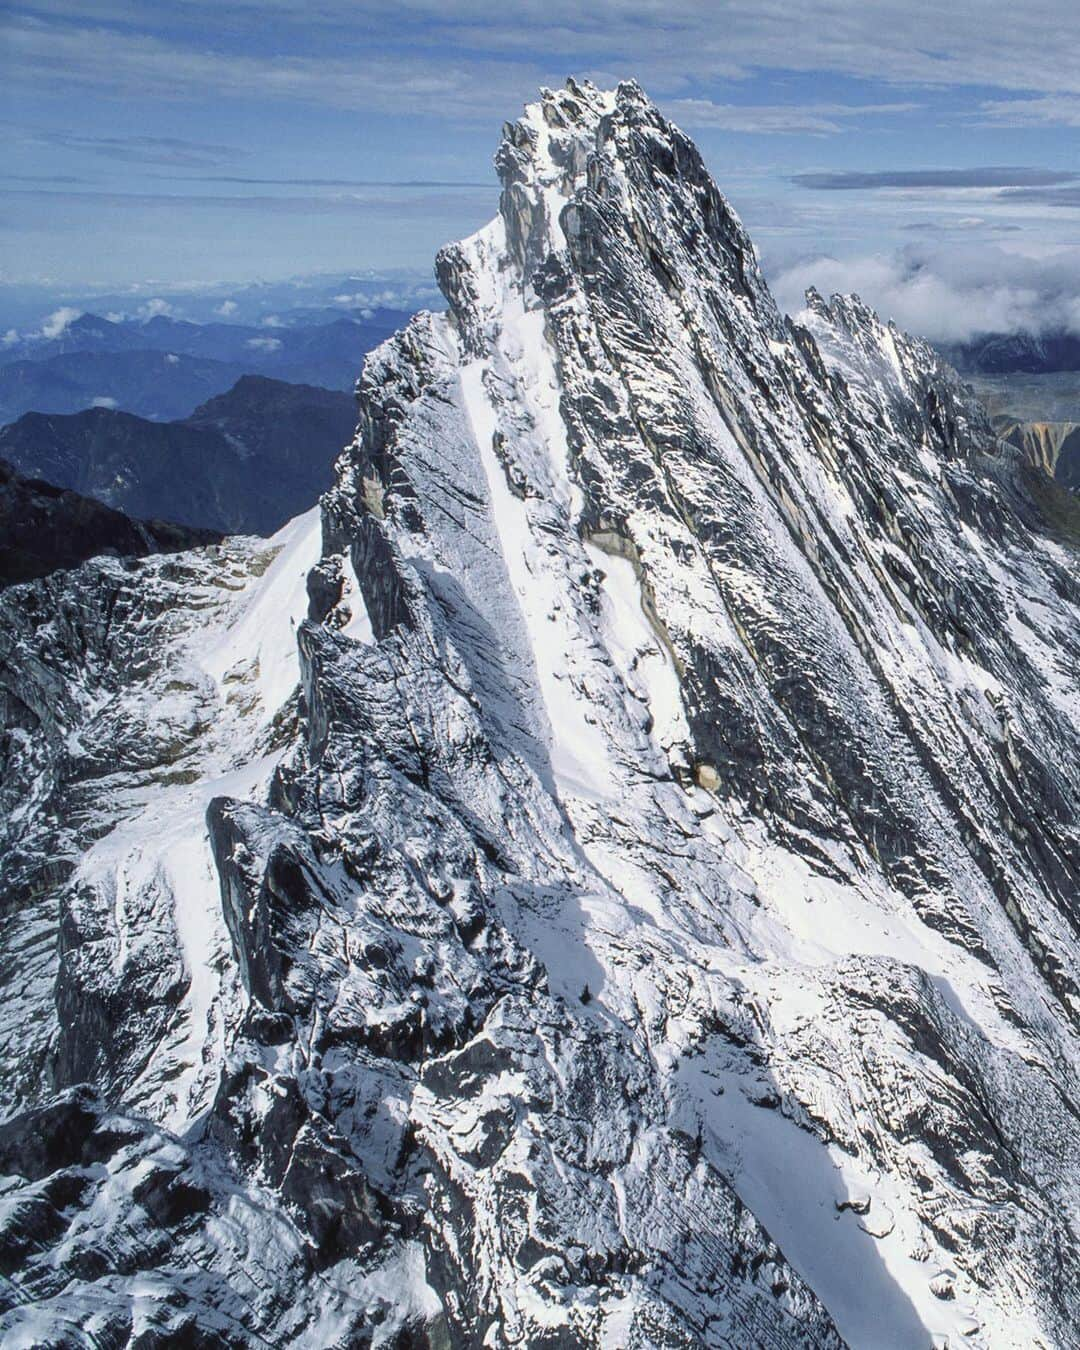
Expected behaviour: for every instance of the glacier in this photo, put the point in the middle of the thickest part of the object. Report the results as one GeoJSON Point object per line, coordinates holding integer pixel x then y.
{"type": "Point", "coordinates": [608, 876]}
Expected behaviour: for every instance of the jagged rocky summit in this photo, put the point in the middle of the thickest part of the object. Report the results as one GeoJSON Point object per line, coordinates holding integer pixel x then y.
{"type": "Point", "coordinates": [627, 897]}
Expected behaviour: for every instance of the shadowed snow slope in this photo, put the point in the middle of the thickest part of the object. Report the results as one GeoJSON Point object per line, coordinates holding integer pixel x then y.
{"type": "Point", "coordinates": [653, 918]}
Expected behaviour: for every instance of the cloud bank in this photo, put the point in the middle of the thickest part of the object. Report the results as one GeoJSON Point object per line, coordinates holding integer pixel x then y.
{"type": "Point", "coordinates": [817, 119]}
{"type": "Point", "coordinates": [949, 294]}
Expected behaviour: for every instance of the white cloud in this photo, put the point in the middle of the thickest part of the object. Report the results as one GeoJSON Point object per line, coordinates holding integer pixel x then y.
{"type": "Point", "coordinates": [1052, 110]}
{"type": "Point", "coordinates": [226, 308]}
{"type": "Point", "coordinates": [271, 321]}
{"type": "Point", "coordinates": [266, 344]}
{"type": "Point", "coordinates": [171, 359]}
{"type": "Point", "coordinates": [771, 119]}
{"type": "Point", "coordinates": [359, 301]}
{"type": "Point", "coordinates": [949, 294]}
{"type": "Point", "coordinates": [155, 308]}
{"type": "Point", "coordinates": [390, 297]}
{"type": "Point", "coordinates": [59, 321]}
{"type": "Point", "coordinates": [103, 401]}
{"type": "Point", "coordinates": [471, 58]}
{"type": "Point", "coordinates": [10, 338]}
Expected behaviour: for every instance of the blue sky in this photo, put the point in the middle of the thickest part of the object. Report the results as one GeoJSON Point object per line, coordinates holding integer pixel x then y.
{"type": "Point", "coordinates": [892, 142]}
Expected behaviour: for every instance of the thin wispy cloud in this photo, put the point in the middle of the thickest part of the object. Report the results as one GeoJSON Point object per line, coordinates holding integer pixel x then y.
{"type": "Point", "coordinates": [965, 225]}
{"type": "Point", "coordinates": [125, 65]}
{"type": "Point", "coordinates": [373, 124]}
{"type": "Point", "coordinates": [990, 177]}
{"type": "Point", "coordinates": [56, 179]}
{"type": "Point", "coordinates": [166, 151]}
{"type": "Point", "coordinates": [411, 183]}
{"type": "Point", "coordinates": [1050, 110]}
{"type": "Point", "coordinates": [144, 149]}
{"type": "Point", "coordinates": [1059, 197]}
{"type": "Point", "coordinates": [914, 42]}
{"type": "Point", "coordinates": [817, 119]}
{"type": "Point", "coordinates": [347, 203]}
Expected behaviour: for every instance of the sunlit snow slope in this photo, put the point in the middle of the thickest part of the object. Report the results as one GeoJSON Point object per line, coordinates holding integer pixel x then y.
{"type": "Point", "coordinates": [653, 919]}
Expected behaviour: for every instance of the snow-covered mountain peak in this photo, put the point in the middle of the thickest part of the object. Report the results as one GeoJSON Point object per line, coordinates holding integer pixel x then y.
{"type": "Point", "coordinates": [651, 916]}
{"type": "Point", "coordinates": [584, 151]}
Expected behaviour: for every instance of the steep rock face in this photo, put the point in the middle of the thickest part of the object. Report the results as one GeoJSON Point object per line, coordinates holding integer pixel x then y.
{"type": "Point", "coordinates": [127, 686]}
{"type": "Point", "coordinates": [1053, 447]}
{"type": "Point", "coordinates": [654, 921]}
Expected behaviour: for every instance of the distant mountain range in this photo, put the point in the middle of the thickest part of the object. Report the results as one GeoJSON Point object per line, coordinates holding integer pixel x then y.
{"type": "Point", "coordinates": [1008, 353]}
{"type": "Point", "coordinates": [243, 463]}
{"type": "Point", "coordinates": [45, 528]}
{"type": "Point", "coordinates": [1030, 386]}
{"type": "Point", "coordinates": [304, 332]}
{"type": "Point", "coordinates": [162, 368]}
{"type": "Point", "coordinates": [28, 307]}
{"type": "Point", "coordinates": [153, 384]}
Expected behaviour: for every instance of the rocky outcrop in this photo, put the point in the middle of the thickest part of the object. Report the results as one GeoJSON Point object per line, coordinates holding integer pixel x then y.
{"type": "Point", "coordinates": [643, 911]}
{"type": "Point", "coordinates": [44, 528]}
{"type": "Point", "coordinates": [1052, 447]}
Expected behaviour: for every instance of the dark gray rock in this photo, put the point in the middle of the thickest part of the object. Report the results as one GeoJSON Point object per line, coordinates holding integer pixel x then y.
{"type": "Point", "coordinates": [44, 528]}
